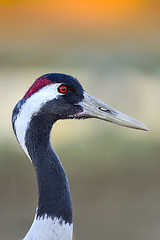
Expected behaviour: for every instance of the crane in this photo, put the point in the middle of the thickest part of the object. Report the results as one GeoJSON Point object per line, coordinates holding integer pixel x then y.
{"type": "Point", "coordinates": [55, 96]}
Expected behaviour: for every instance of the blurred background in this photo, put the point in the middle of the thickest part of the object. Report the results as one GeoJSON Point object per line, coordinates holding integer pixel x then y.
{"type": "Point", "coordinates": [113, 48]}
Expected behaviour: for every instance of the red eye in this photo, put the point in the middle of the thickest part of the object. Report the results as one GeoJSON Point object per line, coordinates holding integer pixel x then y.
{"type": "Point", "coordinates": [62, 88]}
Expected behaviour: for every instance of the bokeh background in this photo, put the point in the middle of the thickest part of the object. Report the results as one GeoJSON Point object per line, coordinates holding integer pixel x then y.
{"type": "Point", "coordinates": [113, 48]}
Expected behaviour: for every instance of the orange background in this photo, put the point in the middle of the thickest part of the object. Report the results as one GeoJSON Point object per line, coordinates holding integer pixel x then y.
{"type": "Point", "coordinates": [33, 20]}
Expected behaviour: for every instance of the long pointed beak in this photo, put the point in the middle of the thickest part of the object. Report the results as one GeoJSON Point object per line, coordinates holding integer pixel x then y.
{"type": "Point", "coordinates": [93, 108]}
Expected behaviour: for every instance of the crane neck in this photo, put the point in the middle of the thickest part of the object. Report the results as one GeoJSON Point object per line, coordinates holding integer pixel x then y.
{"type": "Point", "coordinates": [54, 200]}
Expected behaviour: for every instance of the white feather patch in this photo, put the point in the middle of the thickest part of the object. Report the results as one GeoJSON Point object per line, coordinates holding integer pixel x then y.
{"type": "Point", "coordinates": [31, 107]}
{"type": "Point", "coordinates": [45, 228]}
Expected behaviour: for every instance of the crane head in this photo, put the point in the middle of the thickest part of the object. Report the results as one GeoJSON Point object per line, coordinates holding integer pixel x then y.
{"type": "Point", "coordinates": [63, 97]}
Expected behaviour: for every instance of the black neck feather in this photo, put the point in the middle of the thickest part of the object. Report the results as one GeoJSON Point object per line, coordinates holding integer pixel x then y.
{"type": "Point", "coordinates": [54, 195]}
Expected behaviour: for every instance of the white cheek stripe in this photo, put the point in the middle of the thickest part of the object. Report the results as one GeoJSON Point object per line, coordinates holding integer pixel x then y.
{"type": "Point", "coordinates": [31, 107]}
{"type": "Point", "coordinates": [47, 229]}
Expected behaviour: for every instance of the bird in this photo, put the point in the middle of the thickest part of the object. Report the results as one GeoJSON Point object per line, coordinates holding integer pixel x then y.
{"type": "Point", "coordinates": [52, 97]}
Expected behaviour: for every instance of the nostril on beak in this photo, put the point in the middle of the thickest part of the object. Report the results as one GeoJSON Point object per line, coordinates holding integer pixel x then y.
{"type": "Point", "coordinates": [106, 110]}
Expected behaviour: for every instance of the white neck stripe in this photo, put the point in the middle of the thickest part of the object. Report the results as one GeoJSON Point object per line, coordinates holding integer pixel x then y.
{"type": "Point", "coordinates": [31, 107]}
